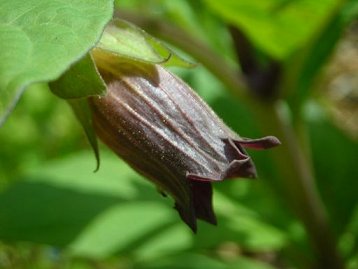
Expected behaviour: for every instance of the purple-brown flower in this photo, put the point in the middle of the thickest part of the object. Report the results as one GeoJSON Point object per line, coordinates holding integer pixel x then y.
{"type": "Point", "coordinates": [165, 131]}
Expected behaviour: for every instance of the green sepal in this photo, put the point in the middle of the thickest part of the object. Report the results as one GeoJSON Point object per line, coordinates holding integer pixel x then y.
{"type": "Point", "coordinates": [81, 80]}
{"type": "Point", "coordinates": [84, 115]}
{"type": "Point", "coordinates": [125, 40]}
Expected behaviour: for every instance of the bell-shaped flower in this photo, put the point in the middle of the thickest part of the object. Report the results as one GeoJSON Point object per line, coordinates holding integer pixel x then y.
{"type": "Point", "coordinates": [166, 132]}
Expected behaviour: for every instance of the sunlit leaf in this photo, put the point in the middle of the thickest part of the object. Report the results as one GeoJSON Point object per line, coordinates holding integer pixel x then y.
{"type": "Point", "coordinates": [40, 39]}
{"type": "Point", "coordinates": [114, 230]}
{"type": "Point", "coordinates": [275, 26]}
{"type": "Point", "coordinates": [74, 205]}
{"type": "Point", "coordinates": [172, 239]}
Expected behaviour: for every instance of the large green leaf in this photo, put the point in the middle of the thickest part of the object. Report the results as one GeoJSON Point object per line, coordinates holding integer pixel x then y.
{"type": "Point", "coordinates": [56, 203]}
{"type": "Point", "coordinates": [65, 204]}
{"type": "Point", "coordinates": [40, 39]}
{"type": "Point", "coordinates": [277, 27]}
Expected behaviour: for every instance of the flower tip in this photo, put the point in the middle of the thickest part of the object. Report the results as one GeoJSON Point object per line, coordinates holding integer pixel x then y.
{"type": "Point", "coordinates": [271, 141]}
{"type": "Point", "coordinates": [260, 143]}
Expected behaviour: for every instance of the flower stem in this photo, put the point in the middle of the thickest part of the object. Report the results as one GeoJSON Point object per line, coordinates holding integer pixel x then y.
{"type": "Point", "coordinates": [293, 165]}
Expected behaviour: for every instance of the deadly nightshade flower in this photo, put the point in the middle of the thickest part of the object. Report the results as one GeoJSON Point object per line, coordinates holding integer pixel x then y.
{"type": "Point", "coordinates": [165, 131]}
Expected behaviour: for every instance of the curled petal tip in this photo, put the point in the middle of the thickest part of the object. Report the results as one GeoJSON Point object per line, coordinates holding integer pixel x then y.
{"type": "Point", "coordinates": [260, 143]}
{"type": "Point", "coordinates": [273, 141]}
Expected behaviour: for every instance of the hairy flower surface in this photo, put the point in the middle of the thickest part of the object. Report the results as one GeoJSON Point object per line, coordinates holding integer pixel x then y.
{"type": "Point", "coordinates": [164, 130]}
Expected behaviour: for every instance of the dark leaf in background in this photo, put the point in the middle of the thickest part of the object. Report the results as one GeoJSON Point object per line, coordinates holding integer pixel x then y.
{"type": "Point", "coordinates": [42, 213]}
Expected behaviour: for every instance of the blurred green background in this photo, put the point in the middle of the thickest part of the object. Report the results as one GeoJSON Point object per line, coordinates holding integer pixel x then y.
{"type": "Point", "coordinates": [55, 212]}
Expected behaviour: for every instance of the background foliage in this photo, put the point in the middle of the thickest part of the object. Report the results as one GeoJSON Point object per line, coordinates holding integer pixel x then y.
{"type": "Point", "coordinates": [56, 213]}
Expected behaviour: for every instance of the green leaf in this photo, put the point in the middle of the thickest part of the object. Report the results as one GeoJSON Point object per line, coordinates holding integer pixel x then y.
{"type": "Point", "coordinates": [40, 39]}
{"type": "Point", "coordinates": [123, 39]}
{"type": "Point", "coordinates": [277, 27]}
{"type": "Point", "coordinates": [64, 202]}
{"type": "Point", "coordinates": [173, 239]}
{"type": "Point", "coordinates": [113, 231]}
{"type": "Point", "coordinates": [81, 80]}
{"type": "Point", "coordinates": [45, 213]}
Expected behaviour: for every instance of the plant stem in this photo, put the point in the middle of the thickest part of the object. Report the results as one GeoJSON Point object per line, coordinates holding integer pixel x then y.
{"type": "Point", "coordinates": [299, 183]}
{"type": "Point", "coordinates": [296, 172]}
